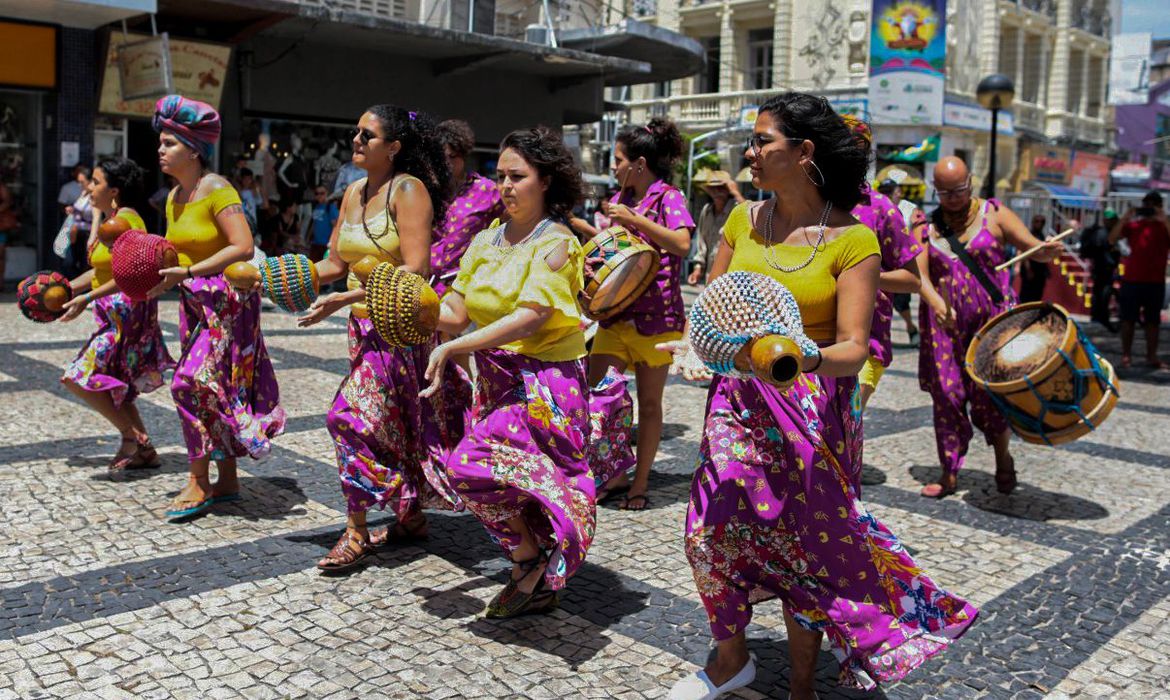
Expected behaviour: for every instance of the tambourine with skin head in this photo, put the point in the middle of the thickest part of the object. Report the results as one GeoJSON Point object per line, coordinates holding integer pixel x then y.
{"type": "Point", "coordinates": [402, 306]}
{"type": "Point", "coordinates": [42, 296]}
{"type": "Point", "coordinates": [289, 280]}
{"type": "Point", "coordinates": [745, 324]}
{"type": "Point", "coordinates": [619, 268]}
{"type": "Point", "coordinates": [136, 259]}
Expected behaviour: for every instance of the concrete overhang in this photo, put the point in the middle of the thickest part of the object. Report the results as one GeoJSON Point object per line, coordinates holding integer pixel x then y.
{"type": "Point", "coordinates": [81, 14]}
{"type": "Point", "coordinates": [671, 55]}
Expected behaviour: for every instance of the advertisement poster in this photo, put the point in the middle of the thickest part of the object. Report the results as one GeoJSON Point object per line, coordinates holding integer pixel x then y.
{"type": "Point", "coordinates": [1090, 173]}
{"type": "Point", "coordinates": [1129, 69]}
{"type": "Point", "coordinates": [907, 61]}
{"type": "Point", "coordinates": [1041, 163]}
{"type": "Point", "coordinates": [145, 68]}
{"type": "Point", "coordinates": [198, 70]}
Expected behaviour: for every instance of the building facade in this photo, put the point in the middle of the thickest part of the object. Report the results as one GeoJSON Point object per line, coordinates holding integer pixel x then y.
{"type": "Point", "coordinates": [1056, 51]}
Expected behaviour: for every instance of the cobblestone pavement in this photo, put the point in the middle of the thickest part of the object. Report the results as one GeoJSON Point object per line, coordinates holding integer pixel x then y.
{"type": "Point", "coordinates": [103, 598]}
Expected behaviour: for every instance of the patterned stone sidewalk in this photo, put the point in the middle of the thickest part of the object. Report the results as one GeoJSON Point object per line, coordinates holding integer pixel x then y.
{"type": "Point", "coordinates": [103, 598]}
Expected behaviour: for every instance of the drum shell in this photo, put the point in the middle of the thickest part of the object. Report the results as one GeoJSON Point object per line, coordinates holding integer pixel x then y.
{"type": "Point", "coordinates": [620, 267]}
{"type": "Point", "coordinates": [1051, 382]}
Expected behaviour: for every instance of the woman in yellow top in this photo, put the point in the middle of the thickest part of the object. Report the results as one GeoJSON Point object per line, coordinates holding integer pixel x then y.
{"type": "Point", "coordinates": [774, 509]}
{"type": "Point", "coordinates": [523, 467]}
{"type": "Point", "coordinates": [126, 355]}
{"type": "Point", "coordinates": [224, 387]}
{"type": "Point", "coordinates": [391, 445]}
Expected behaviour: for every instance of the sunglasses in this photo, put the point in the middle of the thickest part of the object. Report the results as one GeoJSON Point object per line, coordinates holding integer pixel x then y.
{"type": "Point", "coordinates": [756, 142]}
{"type": "Point", "coordinates": [363, 135]}
{"type": "Point", "coordinates": [955, 192]}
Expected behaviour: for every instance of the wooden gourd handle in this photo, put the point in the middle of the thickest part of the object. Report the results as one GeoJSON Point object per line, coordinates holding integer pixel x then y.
{"type": "Point", "coordinates": [241, 275]}
{"type": "Point", "coordinates": [775, 359]}
{"type": "Point", "coordinates": [364, 267]}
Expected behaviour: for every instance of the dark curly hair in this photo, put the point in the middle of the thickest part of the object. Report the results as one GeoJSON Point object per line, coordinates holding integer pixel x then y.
{"type": "Point", "coordinates": [421, 155]}
{"type": "Point", "coordinates": [839, 154]}
{"type": "Point", "coordinates": [128, 178]}
{"type": "Point", "coordinates": [543, 149]}
{"type": "Point", "coordinates": [457, 135]}
{"type": "Point", "coordinates": [658, 142]}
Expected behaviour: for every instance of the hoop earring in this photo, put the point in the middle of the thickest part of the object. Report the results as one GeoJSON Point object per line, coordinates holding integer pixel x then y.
{"type": "Point", "coordinates": [814, 182]}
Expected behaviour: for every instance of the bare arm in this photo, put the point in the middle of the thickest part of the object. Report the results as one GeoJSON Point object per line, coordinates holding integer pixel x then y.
{"type": "Point", "coordinates": [1015, 232]}
{"type": "Point", "coordinates": [413, 215]}
{"type": "Point", "coordinates": [856, 291]}
{"type": "Point", "coordinates": [673, 241]}
{"type": "Point", "coordinates": [453, 318]}
{"type": "Point", "coordinates": [904, 280]}
{"type": "Point", "coordinates": [1119, 226]}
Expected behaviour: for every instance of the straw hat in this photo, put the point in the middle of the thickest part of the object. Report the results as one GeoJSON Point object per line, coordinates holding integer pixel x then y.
{"type": "Point", "coordinates": [712, 178]}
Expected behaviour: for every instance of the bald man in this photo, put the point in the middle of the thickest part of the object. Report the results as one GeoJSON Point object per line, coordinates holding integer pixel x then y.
{"type": "Point", "coordinates": [959, 298]}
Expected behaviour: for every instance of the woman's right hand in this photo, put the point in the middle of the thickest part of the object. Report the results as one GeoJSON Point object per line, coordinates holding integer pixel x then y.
{"type": "Point", "coordinates": [74, 307]}
{"type": "Point", "coordinates": [695, 276]}
{"type": "Point", "coordinates": [685, 361]}
{"type": "Point", "coordinates": [943, 312]}
{"type": "Point", "coordinates": [321, 309]}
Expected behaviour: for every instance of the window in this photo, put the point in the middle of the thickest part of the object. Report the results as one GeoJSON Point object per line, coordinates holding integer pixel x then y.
{"type": "Point", "coordinates": [662, 89]}
{"type": "Point", "coordinates": [708, 79]}
{"type": "Point", "coordinates": [759, 48]}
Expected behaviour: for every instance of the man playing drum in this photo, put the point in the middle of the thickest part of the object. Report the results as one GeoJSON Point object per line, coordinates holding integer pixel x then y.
{"type": "Point", "coordinates": [963, 291]}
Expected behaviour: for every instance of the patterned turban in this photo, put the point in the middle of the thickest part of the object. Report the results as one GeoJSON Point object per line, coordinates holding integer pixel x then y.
{"type": "Point", "coordinates": [859, 128]}
{"type": "Point", "coordinates": [194, 123]}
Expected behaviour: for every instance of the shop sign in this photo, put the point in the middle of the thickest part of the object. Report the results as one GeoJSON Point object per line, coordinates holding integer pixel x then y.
{"type": "Point", "coordinates": [748, 115]}
{"type": "Point", "coordinates": [1090, 173]}
{"type": "Point", "coordinates": [198, 70]}
{"type": "Point", "coordinates": [144, 68]}
{"type": "Point", "coordinates": [1131, 175]}
{"type": "Point", "coordinates": [907, 62]}
{"type": "Point", "coordinates": [28, 55]}
{"type": "Point", "coordinates": [965, 116]}
{"type": "Point", "coordinates": [1045, 164]}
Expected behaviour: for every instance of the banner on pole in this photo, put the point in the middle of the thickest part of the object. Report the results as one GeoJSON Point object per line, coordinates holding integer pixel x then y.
{"type": "Point", "coordinates": [1129, 69]}
{"type": "Point", "coordinates": [907, 61]}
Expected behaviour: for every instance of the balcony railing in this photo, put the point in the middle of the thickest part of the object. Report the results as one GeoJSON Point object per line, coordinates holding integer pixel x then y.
{"type": "Point", "coordinates": [708, 109]}
{"type": "Point", "coordinates": [385, 9]}
{"type": "Point", "coordinates": [1026, 115]}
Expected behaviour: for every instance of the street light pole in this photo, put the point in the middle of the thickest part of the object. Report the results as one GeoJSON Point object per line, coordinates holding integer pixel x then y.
{"type": "Point", "coordinates": [995, 92]}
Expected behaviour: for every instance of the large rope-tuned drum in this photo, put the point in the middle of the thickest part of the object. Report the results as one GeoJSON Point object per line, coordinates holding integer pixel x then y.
{"type": "Point", "coordinates": [619, 268]}
{"type": "Point", "coordinates": [1043, 373]}
{"type": "Point", "coordinates": [746, 324]}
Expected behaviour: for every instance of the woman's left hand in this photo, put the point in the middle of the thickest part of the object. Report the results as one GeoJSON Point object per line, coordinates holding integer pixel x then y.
{"type": "Point", "coordinates": [171, 276]}
{"type": "Point", "coordinates": [623, 215]}
{"type": "Point", "coordinates": [321, 309]}
{"type": "Point", "coordinates": [74, 307]}
{"type": "Point", "coordinates": [438, 360]}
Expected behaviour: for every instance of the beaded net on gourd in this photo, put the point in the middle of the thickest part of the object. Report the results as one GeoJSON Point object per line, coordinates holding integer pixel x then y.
{"type": "Point", "coordinates": [288, 281]}
{"type": "Point", "coordinates": [394, 301]}
{"type": "Point", "coordinates": [135, 260]}
{"type": "Point", "coordinates": [30, 295]}
{"type": "Point", "coordinates": [739, 307]}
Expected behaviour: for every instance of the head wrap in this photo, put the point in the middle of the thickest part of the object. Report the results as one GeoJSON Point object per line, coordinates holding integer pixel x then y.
{"type": "Point", "coordinates": [194, 123]}
{"type": "Point", "coordinates": [859, 128]}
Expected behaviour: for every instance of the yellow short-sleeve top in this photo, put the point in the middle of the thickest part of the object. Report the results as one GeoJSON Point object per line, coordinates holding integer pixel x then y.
{"type": "Point", "coordinates": [99, 255]}
{"type": "Point", "coordinates": [496, 280]}
{"type": "Point", "coordinates": [815, 286]}
{"type": "Point", "coordinates": [353, 243]}
{"type": "Point", "coordinates": [193, 231]}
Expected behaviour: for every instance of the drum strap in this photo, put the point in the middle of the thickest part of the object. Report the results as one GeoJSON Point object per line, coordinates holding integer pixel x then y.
{"type": "Point", "coordinates": [960, 251]}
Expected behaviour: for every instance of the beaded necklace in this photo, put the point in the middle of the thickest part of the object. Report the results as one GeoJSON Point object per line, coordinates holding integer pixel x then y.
{"type": "Point", "coordinates": [769, 255]}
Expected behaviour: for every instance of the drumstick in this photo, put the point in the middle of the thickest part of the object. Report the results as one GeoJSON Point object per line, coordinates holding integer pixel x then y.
{"type": "Point", "coordinates": [1028, 253]}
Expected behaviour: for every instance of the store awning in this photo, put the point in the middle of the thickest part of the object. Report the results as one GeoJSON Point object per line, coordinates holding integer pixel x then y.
{"type": "Point", "coordinates": [1065, 196]}
{"type": "Point", "coordinates": [82, 14]}
{"type": "Point", "coordinates": [671, 55]}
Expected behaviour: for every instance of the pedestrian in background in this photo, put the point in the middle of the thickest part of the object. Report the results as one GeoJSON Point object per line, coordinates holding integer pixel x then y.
{"type": "Point", "coordinates": [1103, 258]}
{"type": "Point", "coordinates": [325, 215]}
{"type": "Point", "coordinates": [1143, 279]}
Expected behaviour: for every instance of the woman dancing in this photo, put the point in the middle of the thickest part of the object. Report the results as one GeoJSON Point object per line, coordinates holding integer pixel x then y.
{"type": "Point", "coordinates": [523, 467]}
{"type": "Point", "coordinates": [126, 355]}
{"type": "Point", "coordinates": [391, 444]}
{"type": "Point", "coordinates": [655, 211]}
{"type": "Point", "coordinates": [224, 387]}
{"type": "Point", "coordinates": [773, 508]}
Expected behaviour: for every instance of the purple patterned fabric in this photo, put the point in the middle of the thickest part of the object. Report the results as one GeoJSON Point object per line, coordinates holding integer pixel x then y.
{"type": "Point", "coordinates": [224, 387]}
{"type": "Point", "coordinates": [472, 210]}
{"type": "Point", "coordinates": [660, 308]}
{"type": "Point", "coordinates": [774, 512]}
{"type": "Point", "coordinates": [391, 444]}
{"type": "Point", "coordinates": [525, 454]}
{"type": "Point", "coordinates": [898, 248]}
{"type": "Point", "coordinates": [941, 354]}
{"type": "Point", "coordinates": [126, 355]}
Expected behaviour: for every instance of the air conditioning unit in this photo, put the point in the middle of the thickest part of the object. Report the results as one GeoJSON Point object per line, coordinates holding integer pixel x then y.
{"type": "Point", "coordinates": [536, 34]}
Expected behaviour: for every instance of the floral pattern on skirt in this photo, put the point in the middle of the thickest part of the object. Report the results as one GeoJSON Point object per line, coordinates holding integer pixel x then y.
{"type": "Point", "coordinates": [774, 512]}
{"type": "Point", "coordinates": [224, 386]}
{"type": "Point", "coordinates": [126, 355]}
{"type": "Point", "coordinates": [391, 444]}
{"type": "Point", "coordinates": [524, 454]}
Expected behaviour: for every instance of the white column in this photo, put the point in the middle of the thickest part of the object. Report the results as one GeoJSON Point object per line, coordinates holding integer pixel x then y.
{"type": "Point", "coordinates": [782, 44]}
{"type": "Point", "coordinates": [728, 51]}
{"type": "Point", "coordinates": [1058, 76]}
{"type": "Point", "coordinates": [1021, 36]}
{"type": "Point", "coordinates": [1083, 107]}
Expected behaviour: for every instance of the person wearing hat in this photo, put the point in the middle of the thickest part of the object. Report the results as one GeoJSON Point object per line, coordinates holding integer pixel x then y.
{"type": "Point", "coordinates": [721, 188]}
{"type": "Point", "coordinates": [1103, 258]}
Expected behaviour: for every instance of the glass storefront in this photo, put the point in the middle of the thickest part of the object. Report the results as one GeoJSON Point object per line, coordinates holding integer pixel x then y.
{"type": "Point", "coordinates": [20, 165]}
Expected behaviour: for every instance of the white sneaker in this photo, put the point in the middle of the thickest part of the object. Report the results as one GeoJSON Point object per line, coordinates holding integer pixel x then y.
{"type": "Point", "coordinates": [698, 686]}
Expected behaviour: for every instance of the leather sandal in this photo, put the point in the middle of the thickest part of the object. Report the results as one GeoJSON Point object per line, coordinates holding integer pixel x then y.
{"type": "Point", "coordinates": [146, 457]}
{"type": "Point", "coordinates": [512, 602]}
{"type": "Point", "coordinates": [937, 491]}
{"type": "Point", "coordinates": [413, 530]}
{"type": "Point", "coordinates": [123, 460]}
{"type": "Point", "coordinates": [350, 552]}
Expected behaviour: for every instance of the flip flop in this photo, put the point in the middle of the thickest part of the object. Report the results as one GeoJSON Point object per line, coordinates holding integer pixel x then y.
{"type": "Point", "coordinates": [176, 516]}
{"type": "Point", "coordinates": [608, 495]}
{"type": "Point", "coordinates": [226, 498]}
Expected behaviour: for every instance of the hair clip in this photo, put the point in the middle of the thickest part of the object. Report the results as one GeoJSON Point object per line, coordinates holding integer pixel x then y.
{"type": "Point", "coordinates": [649, 130]}
{"type": "Point", "coordinates": [411, 115]}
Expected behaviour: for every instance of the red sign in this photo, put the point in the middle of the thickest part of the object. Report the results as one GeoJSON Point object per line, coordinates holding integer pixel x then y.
{"type": "Point", "coordinates": [1090, 173]}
